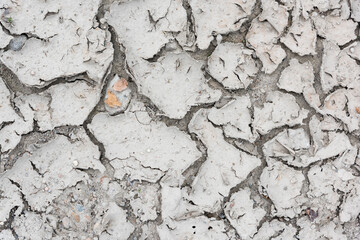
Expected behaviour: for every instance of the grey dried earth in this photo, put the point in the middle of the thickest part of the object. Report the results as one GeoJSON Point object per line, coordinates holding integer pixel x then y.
{"type": "Point", "coordinates": [179, 119]}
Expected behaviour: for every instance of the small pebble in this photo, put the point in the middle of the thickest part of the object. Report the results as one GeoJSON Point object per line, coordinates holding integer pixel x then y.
{"type": "Point", "coordinates": [17, 43]}
{"type": "Point", "coordinates": [66, 222]}
{"type": "Point", "coordinates": [79, 208]}
{"type": "Point", "coordinates": [293, 180]}
{"type": "Point", "coordinates": [76, 163]}
{"type": "Point", "coordinates": [352, 50]}
{"type": "Point", "coordinates": [102, 20]}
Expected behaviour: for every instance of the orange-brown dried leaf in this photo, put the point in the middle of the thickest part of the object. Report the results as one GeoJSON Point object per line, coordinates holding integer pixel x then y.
{"type": "Point", "coordinates": [357, 110]}
{"type": "Point", "coordinates": [120, 85]}
{"type": "Point", "coordinates": [76, 217]}
{"type": "Point", "coordinates": [112, 100]}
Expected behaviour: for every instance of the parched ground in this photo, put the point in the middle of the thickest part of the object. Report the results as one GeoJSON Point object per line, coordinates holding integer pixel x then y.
{"type": "Point", "coordinates": [179, 119]}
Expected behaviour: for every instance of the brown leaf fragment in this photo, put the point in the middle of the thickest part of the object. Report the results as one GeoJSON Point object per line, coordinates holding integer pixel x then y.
{"type": "Point", "coordinates": [120, 85]}
{"type": "Point", "coordinates": [357, 110]}
{"type": "Point", "coordinates": [76, 217]}
{"type": "Point", "coordinates": [112, 100]}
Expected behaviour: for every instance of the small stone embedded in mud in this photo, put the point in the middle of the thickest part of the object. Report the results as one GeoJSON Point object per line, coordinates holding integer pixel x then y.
{"type": "Point", "coordinates": [311, 214]}
{"type": "Point", "coordinates": [17, 43]}
{"type": "Point", "coordinates": [118, 95]}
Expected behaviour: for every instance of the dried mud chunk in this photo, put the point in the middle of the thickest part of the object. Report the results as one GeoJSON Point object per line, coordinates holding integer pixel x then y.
{"type": "Point", "coordinates": [118, 227]}
{"type": "Point", "coordinates": [327, 140]}
{"type": "Point", "coordinates": [353, 50]}
{"type": "Point", "coordinates": [155, 146]}
{"type": "Point", "coordinates": [342, 104]}
{"type": "Point", "coordinates": [33, 226]}
{"type": "Point", "coordinates": [280, 109]}
{"type": "Point", "coordinates": [276, 230]}
{"type": "Point", "coordinates": [235, 118]}
{"type": "Point", "coordinates": [149, 231]}
{"type": "Point", "coordinates": [350, 208]}
{"type": "Point", "coordinates": [10, 198]}
{"type": "Point", "coordinates": [83, 210]}
{"type": "Point", "coordinates": [175, 206]}
{"type": "Point", "coordinates": [275, 14]}
{"type": "Point", "coordinates": [218, 17]}
{"type": "Point", "coordinates": [355, 10]}
{"type": "Point", "coordinates": [201, 228]}
{"type": "Point", "coordinates": [335, 29]}
{"type": "Point", "coordinates": [141, 25]}
{"type": "Point", "coordinates": [57, 58]}
{"type": "Point", "coordinates": [329, 230]}
{"type": "Point", "coordinates": [241, 213]}
{"type": "Point", "coordinates": [174, 83]}
{"type": "Point", "coordinates": [4, 38]}
{"type": "Point", "coordinates": [291, 146]}
{"type": "Point", "coordinates": [63, 104]}
{"type": "Point", "coordinates": [299, 78]}
{"type": "Point", "coordinates": [44, 173]}
{"type": "Point", "coordinates": [323, 6]}
{"type": "Point", "coordinates": [338, 68]}
{"type": "Point", "coordinates": [144, 202]}
{"type": "Point", "coordinates": [42, 19]}
{"type": "Point", "coordinates": [216, 177]}
{"type": "Point", "coordinates": [262, 37]}
{"type": "Point", "coordinates": [6, 235]}
{"type": "Point", "coordinates": [132, 168]}
{"type": "Point", "coordinates": [282, 185]}
{"type": "Point", "coordinates": [231, 64]}
{"type": "Point", "coordinates": [71, 47]}
{"type": "Point", "coordinates": [301, 38]}
{"type": "Point", "coordinates": [328, 183]}
{"type": "Point", "coordinates": [12, 124]}
{"type": "Point", "coordinates": [296, 77]}
{"type": "Point", "coordinates": [117, 96]}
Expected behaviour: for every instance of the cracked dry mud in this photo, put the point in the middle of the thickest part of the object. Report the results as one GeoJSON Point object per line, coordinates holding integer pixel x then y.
{"type": "Point", "coordinates": [179, 119]}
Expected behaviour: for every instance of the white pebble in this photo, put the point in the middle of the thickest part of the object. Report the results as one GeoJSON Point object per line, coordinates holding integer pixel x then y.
{"type": "Point", "coordinates": [102, 20]}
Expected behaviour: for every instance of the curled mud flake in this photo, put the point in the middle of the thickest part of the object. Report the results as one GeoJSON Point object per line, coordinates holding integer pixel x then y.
{"type": "Point", "coordinates": [312, 214]}
{"type": "Point", "coordinates": [112, 100]}
{"type": "Point", "coordinates": [120, 85]}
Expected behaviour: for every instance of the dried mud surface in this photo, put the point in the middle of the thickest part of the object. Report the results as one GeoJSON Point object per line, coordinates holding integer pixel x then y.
{"type": "Point", "coordinates": [179, 119]}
